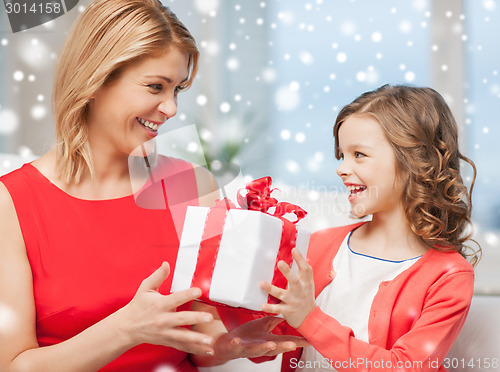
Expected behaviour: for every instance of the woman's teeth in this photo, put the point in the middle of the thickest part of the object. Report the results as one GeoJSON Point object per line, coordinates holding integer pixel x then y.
{"type": "Point", "coordinates": [355, 189]}
{"type": "Point", "coordinates": [148, 124]}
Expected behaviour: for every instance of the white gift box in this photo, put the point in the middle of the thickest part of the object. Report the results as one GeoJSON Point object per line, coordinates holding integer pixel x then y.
{"type": "Point", "coordinates": [246, 256]}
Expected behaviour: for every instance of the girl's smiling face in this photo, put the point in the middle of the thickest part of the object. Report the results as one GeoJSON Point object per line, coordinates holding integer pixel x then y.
{"type": "Point", "coordinates": [128, 111]}
{"type": "Point", "coordinates": [368, 167]}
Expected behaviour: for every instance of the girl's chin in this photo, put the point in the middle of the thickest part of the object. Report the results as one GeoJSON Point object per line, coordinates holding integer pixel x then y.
{"type": "Point", "coordinates": [358, 211]}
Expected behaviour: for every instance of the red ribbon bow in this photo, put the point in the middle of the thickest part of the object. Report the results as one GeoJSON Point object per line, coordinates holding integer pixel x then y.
{"type": "Point", "coordinates": [258, 198]}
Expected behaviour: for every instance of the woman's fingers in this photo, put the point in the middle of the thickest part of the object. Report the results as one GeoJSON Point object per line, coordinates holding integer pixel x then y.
{"type": "Point", "coordinates": [174, 300]}
{"type": "Point", "coordinates": [189, 341]}
{"type": "Point", "coordinates": [270, 322]}
{"type": "Point", "coordinates": [187, 318]}
{"type": "Point", "coordinates": [156, 279]}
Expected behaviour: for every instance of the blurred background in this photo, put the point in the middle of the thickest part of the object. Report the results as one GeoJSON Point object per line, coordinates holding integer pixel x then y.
{"type": "Point", "coordinates": [275, 73]}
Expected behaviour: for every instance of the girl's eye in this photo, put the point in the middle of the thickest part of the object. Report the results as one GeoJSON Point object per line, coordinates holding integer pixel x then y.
{"type": "Point", "coordinates": [341, 156]}
{"type": "Point", "coordinates": [358, 154]}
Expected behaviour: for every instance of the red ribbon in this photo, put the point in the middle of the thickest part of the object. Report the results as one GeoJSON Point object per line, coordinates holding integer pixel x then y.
{"type": "Point", "coordinates": [257, 198]}
{"type": "Point", "coordinates": [209, 246]}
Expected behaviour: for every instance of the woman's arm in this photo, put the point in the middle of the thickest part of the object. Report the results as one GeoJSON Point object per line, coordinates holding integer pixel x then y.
{"type": "Point", "coordinates": [250, 340]}
{"type": "Point", "coordinates": [149, 318]}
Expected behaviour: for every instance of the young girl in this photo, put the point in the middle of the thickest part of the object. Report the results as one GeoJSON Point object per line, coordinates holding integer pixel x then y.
{"type": "Point", "coordinates": [391, 294]}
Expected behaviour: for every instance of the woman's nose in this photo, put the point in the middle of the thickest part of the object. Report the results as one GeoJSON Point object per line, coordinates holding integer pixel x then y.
{"type": "Point", "coordinates": [168, 107]}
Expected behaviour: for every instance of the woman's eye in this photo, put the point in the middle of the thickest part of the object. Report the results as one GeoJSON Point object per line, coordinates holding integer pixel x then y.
{"type": "Point", "coordinates": [179, 88]}
{"type": "Point", "coordinates": [157, 87]}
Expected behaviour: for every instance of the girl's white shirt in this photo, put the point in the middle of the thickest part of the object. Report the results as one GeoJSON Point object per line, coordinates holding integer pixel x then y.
{"type": "Point", "coordinates": [348, 298]}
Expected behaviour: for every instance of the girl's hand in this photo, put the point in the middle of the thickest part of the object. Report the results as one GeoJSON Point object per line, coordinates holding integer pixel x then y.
{"type": "Point", "coordinates": [152, 318]}
{"type": "Point", "coordinates": [254, 339]}
{"type": "Point", "coordinates": [297, 301]}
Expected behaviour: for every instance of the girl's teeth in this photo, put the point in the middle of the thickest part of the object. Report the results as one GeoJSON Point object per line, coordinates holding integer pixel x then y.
{"type": "Point", "coordinates": [354, 189]}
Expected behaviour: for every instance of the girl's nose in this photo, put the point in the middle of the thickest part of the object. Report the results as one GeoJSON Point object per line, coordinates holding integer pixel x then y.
{"type": "Point", "coordinates": [342, 169]}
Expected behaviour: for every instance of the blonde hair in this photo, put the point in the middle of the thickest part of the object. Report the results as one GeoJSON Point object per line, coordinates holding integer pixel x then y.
{"type": "Point", "coordinates": [106, 38]}
{"type": "Point", "coordinates": [423, 133]}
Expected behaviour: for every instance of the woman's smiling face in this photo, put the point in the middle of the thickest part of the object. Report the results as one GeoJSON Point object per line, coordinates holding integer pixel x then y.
{"type": "Point", "coordinates": [368, 167]}
{"type": "Point", "coordinates": [128, 111]}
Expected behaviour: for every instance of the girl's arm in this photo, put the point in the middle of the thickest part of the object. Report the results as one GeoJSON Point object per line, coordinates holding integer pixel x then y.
{"type": "Point", "coordinates": [422, 348]}
{"type": "Point", "coordinates": [149, 318]}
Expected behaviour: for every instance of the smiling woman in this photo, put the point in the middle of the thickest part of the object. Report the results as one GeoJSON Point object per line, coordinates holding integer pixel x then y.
{"type": "Point", "coordinates": [84, 271]}
{"type": "Point", "coordinates": [137, 102]}
{"type": "Point", "coordinates": [133, 30]}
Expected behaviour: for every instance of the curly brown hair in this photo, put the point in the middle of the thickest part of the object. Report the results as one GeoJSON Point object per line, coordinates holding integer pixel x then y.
{"type": "Point", "coordinates": [421, 129]}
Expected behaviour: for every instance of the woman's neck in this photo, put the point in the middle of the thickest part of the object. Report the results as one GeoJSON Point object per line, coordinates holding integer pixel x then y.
{"type": "Point", "coordinates": [110, 180]}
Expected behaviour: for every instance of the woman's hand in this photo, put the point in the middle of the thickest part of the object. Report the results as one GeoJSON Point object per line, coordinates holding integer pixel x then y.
{"type": "Point", "coordinates": [297, 301]}
{"type": "Point", "coordinates": [254, 339]}
{"type": "Point", "coordinates": [152, 318]}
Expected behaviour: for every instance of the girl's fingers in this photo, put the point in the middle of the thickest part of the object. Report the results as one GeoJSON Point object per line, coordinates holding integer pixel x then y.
{"type": "Point", "coordinates": [271, 308]}
{"type": "Point", "coordinates": [274, 291]}
{"type": "Point", "coordinates": [301, 261]}
{"type": "Point", "coordinates": [291, 276]}
{"type": "Point", "coordinates": [304, 268]}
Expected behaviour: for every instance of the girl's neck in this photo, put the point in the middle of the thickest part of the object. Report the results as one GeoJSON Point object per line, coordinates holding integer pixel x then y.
{"type": "Point", "coordinates": [388, 236]}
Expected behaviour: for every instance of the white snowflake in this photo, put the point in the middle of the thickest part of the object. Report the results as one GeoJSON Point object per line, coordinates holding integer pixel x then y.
{"type": "Point", "coordinates": [287, 99]}
{"type": "Point", "coordinates": [38, 112]}
{"type": "Point", "coordinates": [491, 238]}
{"type": "Point", "coordinates": [489, 5]}
{"type": "Point", "coordinates": [269, 75]}
{"type": "Point", "coordinates": [225, 107]}
{"type": "Point", "coordinates": [361, 76]}
{"type": "Point", "coordinates": [405, 26]}
{"type": "Point", "coordinates": [285, 134]}
{"type": "Point", "coordinates": [300, 137]}
{"type": "Point", "coordinates": [377, 37]}
{"type": "Point", "coordinates": [306, 58]}
{"type": "Point", "coordinates": [18, 75]}
{"type": "Point", "coordinates": [233, 63]}
{"type": "Point", "coordinates": [347, 28]}
{"type": "Point", "coordinates": [206, 6]}
{"type": "Point", "coordinates": [201, 100]}
{"type": "Point", "coordinates": [410, 76]}
{"type": "Point", "coordinates": [341, 57]}
{"type": "Point", "coordinates": [9, 121]}
{"type": "Point", "coordinates": [292, 166]}
{"type": "Point", "coordinates": [286, 17]}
